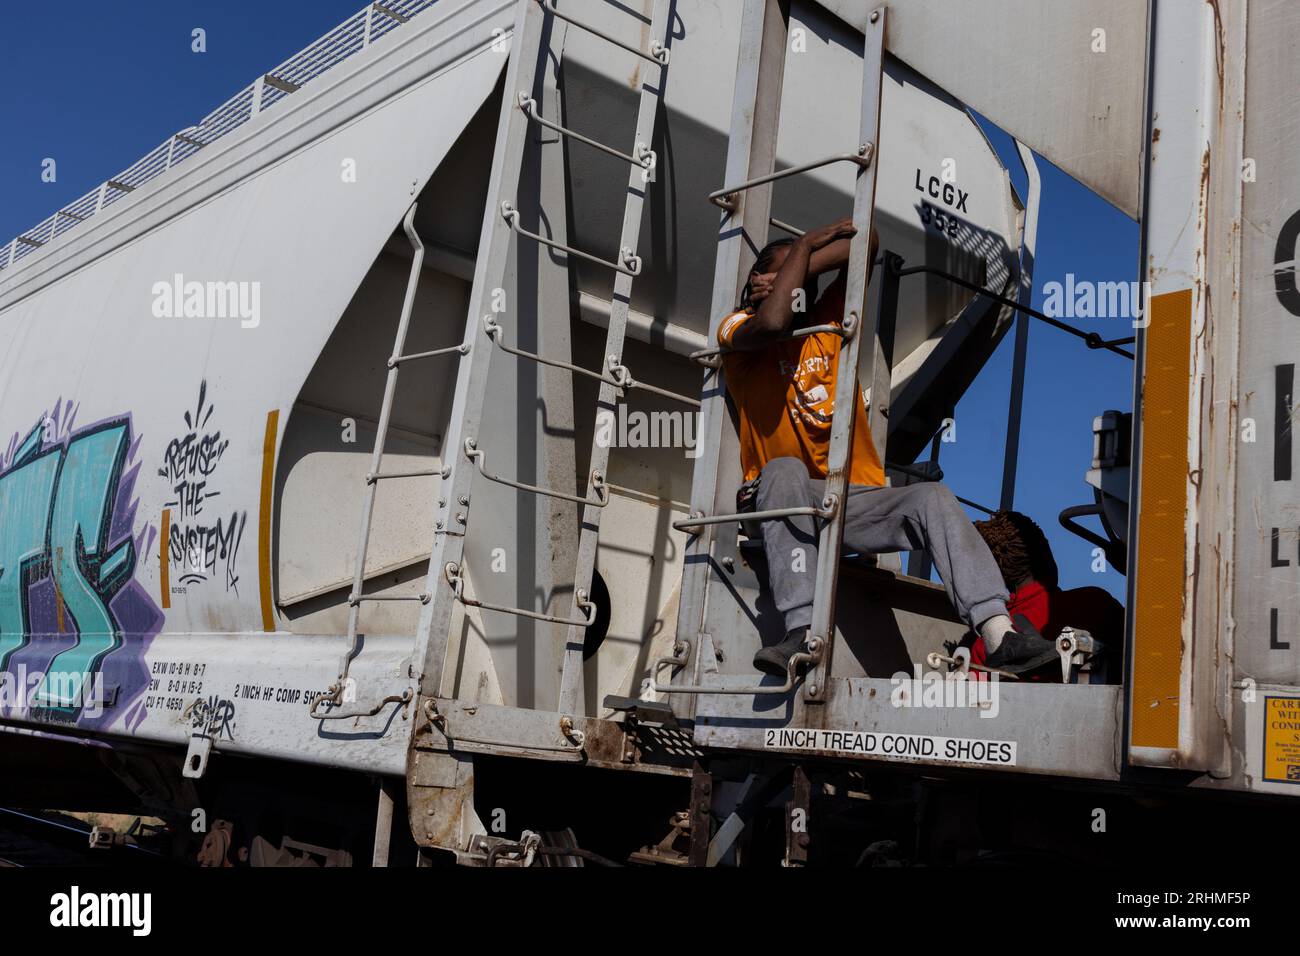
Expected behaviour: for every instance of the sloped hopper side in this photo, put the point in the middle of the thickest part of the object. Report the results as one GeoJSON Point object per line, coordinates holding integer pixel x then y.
{"type": "Point", "coordinates": [331, 430]}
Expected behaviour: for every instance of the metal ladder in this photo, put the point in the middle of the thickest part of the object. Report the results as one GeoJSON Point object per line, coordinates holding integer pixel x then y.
{"type": "Point", "coordinates": [750, 166]}
{"type": "Point", "coordinates": [341, 694]}
{"type": "Point", "coordinates": [485, 333]}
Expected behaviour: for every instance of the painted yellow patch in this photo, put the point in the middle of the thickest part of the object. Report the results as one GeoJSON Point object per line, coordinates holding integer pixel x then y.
{"type": "Point", "coordinates": [1158, 611]}
{"type": "Point", "coordinates": [264, 520]}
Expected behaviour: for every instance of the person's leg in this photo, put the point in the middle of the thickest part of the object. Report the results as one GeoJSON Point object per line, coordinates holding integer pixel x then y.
{"type": "Point", "coordinates": [927, 516]}
{"type": "Point", "coordinates": [911, 517]}
{"type": "Point", "coordinates": [790, 545]}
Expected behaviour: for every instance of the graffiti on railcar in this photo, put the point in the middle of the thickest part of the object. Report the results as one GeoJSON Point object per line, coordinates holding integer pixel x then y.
{"type": "Point", "coordinates": [203, 540]}
{"type": "Point", "coordinates": [74, 623]}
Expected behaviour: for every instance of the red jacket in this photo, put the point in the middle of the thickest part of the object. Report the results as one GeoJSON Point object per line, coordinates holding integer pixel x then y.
{"type": "Point", "coordinates": [1088, 609]}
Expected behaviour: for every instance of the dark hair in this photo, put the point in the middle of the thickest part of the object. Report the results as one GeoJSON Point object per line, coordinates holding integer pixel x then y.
{"type": "Point", "coordinates": [761, 265]}
{"type": "Point", "coordinates": [1020, 549]}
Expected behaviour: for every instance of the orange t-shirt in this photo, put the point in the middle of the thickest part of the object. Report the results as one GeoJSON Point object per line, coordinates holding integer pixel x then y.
{"type": "Point", "coordinates": [785, 396]}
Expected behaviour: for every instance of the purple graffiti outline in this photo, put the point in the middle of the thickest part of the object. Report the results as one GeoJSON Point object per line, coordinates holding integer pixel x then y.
{"type": "Point", "coordinates": [124, 673]}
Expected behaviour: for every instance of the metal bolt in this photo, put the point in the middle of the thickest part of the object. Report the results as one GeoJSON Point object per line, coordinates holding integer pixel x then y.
{"type": "Point", "coordinates": [875, 16]}
{"type": "Point", "coordinates": [729, 563]}
{"type": "Point", "coordinates": [464, 500]}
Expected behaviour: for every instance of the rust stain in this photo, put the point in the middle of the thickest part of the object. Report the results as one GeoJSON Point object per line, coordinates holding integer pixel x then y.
{"type": "Point", "coordinates": [1218, 46]}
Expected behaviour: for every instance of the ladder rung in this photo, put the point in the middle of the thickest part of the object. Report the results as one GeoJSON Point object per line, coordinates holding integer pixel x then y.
{"type": "Point", "coordinates": [845, 331]}
{"type": "Point", "coordinates": [492, 329]}
{"type": "Point", "coordinates": [397, 360]}
{"type": "Point", "coordinates": [473, 453]}
{"type": "Point", "coordinates": [681, 661]}
{"type": "Point", "coordinates": [457, 582]}
{"type": "Point", "coordinates": [830, 505]}
{"type": "Point", "coordinates": [384, 476]}
{"type": "Point", "coordinates": [630, 265]}
{"type": "Point", "coordinates": [618, 375]}
{"type": "Point", "coordinates": [644, 158]}
{"type": "Point", "coordinates": [340, 712]}
{"type": "Point", "coordinates": [623, 379]}
{"type": "Point", "coordinates": [786, 227]}
{"type": "Point", "coordinates": [726, 196]}
{"type": "Point", "coordinates": [355, 599]}
{"type": "Point", "coordinates": [658, 52]}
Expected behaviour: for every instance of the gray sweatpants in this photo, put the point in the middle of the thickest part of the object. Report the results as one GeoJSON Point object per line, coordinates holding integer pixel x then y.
{"type": "Point", "coordinates": [876, 521]}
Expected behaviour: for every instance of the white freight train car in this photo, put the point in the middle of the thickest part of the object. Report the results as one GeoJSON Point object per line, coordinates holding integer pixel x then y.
{"type": "Point", "coordinates": [201, 550]}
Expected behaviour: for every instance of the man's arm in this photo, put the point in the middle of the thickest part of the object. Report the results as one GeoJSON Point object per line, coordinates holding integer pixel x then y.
{"type": "Point", "coordinates": [836, 256]}
{"type": "Point", "coordinates": [775, 314]}
{"type": "Point", "coordinates": [830, 256]}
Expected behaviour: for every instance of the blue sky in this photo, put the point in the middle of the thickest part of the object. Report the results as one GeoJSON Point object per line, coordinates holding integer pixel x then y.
{"type": "Point", "coordinates": [1067, 384]}
{"type": "Point", "coordinates": [95, 85]}
{"type": "Point", "coordinates": [100, 84]}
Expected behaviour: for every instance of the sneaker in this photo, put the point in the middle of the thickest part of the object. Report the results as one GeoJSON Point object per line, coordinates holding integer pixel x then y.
{"type": "Point", "coordinates": [775, 660]}
{"type": "Point", "coordinates": [1022, 649]}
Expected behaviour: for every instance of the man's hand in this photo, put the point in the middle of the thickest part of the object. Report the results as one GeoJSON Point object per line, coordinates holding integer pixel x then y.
{"type": "Point", "coordinates": [760, 286]}
{"type": "Point", "coordinates": [823, 236]}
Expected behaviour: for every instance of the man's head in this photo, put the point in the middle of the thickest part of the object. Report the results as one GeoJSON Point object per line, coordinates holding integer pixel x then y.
{"type": "Point", "coordinates": [769, 261]}
{"type": "Point", "coordinates": [1020, 549]}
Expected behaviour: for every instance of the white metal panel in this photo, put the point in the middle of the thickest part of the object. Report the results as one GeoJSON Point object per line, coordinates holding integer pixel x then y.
{"type": "Point", "coordinates": [84, 342]}
{"type": "Point", "coordinates": [1035, 68]}
{"type": "Point", "coordinates": [1266, 648]}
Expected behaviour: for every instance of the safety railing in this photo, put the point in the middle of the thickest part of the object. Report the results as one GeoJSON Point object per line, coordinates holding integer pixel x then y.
{"type": "Point", "coordinates": [351, 36]}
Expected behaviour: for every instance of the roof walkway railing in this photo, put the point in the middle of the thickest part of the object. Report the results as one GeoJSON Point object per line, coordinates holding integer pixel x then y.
{"type": "Point", "coordinates": [351, 36]}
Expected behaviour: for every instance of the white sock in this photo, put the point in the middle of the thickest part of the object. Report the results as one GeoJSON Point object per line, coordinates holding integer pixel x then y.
{"type": "Point", "coordinates": [993, 630]}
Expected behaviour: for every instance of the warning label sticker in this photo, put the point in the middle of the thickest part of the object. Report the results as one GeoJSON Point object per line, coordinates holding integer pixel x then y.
{"type": "Point", "coordinates": [899, 746]}
{"type": "Point", "coordinates": [1282, 739]}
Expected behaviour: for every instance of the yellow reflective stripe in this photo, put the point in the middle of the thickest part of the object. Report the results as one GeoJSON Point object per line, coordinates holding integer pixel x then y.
{"type": "Point", "coordinates": [264, 520]}
{"type": "Point", "coordinates": [1162, 517]}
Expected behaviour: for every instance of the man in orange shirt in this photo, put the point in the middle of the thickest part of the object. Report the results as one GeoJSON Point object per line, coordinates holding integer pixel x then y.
{"type": "Point", "coordinates": [784, 392]}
